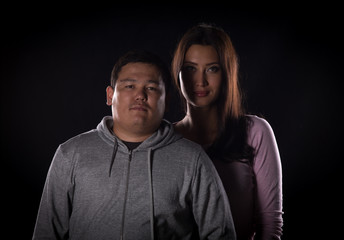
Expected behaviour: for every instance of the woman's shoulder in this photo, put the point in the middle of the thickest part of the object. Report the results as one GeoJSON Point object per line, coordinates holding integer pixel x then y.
{"type": "Point", "coordinates": [259, 127]}
{"type": "Point", "coordinates": [257, 122]}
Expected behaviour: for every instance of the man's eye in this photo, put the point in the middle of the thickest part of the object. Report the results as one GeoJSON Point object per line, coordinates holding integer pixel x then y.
{"type": "Point", "coordinates": [129, 86]}
{"type": "Point", "coordinates": [152, 89]}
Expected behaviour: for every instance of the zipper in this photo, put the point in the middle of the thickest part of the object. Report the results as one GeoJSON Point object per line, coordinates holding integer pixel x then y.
{"type": "Point", "coordinates": [125, 195]}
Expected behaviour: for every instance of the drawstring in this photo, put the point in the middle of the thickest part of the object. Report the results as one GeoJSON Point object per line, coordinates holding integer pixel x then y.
{"type": "Point", "coordinates": [115, 146]}
{"type": "Point", "coordinates": [149, 161]}
{"type": "Point", "coordinates": [151, 192]}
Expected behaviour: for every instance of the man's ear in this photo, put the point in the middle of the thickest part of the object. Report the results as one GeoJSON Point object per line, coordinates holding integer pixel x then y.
{"type": "Point", "coordinates": [109, 95]}
{"type": "Point", "coordinates": [167, 101]}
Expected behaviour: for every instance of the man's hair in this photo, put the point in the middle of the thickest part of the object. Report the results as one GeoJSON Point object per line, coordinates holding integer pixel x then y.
{"type": "Point", "coordinates": [142, 56]}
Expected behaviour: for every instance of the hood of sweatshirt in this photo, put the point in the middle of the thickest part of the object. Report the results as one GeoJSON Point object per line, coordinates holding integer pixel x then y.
{"type": "Point", "coordinates": [166, 188]}
{"type": "Point", "coordinates": [165, 135]}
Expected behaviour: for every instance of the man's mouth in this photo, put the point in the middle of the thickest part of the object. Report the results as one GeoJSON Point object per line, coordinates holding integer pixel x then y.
{"type": "Point", "coordinates": [139, 108]}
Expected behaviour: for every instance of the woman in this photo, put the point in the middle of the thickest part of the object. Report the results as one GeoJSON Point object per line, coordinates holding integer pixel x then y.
{"type": "Point", "coordinates": [242, 147]}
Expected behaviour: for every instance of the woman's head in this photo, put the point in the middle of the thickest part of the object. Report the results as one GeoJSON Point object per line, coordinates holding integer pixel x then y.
{"type": "Point", "coordinates": [229, 97]}
{"type": "Point", "coordinates": [201, 77]}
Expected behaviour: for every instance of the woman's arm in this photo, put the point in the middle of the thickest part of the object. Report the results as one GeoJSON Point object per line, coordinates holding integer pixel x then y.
{"type": "Point", "coordinates": [268, 172]}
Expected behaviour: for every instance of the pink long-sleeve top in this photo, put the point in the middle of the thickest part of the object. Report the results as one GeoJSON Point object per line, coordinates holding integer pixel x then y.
{"type": "Point", "coordinates": [254, 188]}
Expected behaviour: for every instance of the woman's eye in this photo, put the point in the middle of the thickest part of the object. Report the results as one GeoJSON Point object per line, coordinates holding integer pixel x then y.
{"type": "Point", "coordinates": [213, 69]}
{"type": "Point", "coordinates": [189, 68]}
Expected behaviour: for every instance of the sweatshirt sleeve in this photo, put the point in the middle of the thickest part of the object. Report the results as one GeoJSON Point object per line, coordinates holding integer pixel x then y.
{"type": "Point", "coordinates": [210, 203]}
{"type": "Point", "coordinates": [268, 171]}
{"type": "Point", "coordinates": [54, 210]}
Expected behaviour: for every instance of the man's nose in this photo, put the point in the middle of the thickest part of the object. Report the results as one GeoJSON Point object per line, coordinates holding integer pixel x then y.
{"type": "Point", "coordinates": [141, 95]}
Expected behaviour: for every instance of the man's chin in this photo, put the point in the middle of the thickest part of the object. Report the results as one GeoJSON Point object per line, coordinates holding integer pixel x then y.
{"type": "Point", "coordinates": [145, 125]}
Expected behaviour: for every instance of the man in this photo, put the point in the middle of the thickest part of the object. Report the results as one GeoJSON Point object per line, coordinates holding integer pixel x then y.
{"type": "Point", "coordinates": [132, 177]}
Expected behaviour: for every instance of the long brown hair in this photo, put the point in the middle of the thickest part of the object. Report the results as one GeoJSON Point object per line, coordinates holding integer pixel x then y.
{"type": "Point", "coordinates": [231, 141]}
{"type": "Point", "coordinates": [229, 102]}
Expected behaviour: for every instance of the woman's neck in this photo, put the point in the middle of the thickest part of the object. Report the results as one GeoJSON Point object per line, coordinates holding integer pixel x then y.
{"type": "Point", "coordinates": [199, 125]}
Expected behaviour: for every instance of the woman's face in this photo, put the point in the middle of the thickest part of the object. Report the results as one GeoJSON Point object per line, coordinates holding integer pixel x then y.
{"type": "Point", "coordinates": [200, 76]}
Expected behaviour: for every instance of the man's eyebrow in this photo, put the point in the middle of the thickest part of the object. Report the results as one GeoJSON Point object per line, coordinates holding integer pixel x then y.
{"type": "Point", "coordinates": [127, 80]}
{"type": "Point", "coordinates": [154, 82]}
{"type": "Point", "coordinates": [134, 80]}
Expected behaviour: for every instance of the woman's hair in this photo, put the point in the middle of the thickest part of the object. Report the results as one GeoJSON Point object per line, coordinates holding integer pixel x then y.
{"type": "Point", "coordinates": [231, 114]}
{"type": "Point", "coordinates": [205, 34]}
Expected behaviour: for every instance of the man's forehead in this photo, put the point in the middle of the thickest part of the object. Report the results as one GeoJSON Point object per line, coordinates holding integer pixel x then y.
{"type": "Point", "coordinates": [139, 68]}
{"type": "Point", "coordinates": [139, 72]}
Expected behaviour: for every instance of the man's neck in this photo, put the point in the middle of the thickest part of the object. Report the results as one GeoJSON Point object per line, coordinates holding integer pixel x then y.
{"type": "Point", "coordinates": [130, 136]}
{"type": "Point", "coordinates": [131, 145]}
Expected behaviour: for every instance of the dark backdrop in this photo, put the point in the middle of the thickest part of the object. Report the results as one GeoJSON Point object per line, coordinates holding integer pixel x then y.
{"type": "Point", "coordinates": [56, 62]}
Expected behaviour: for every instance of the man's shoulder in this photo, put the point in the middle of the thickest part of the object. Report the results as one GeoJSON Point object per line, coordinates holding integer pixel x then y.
{"type": "Point", "coordinates": [82, 139]}
{"type": "Point", "coordinates": [188, 144]}
{"type": "Point", "coordinates": [186, 147]}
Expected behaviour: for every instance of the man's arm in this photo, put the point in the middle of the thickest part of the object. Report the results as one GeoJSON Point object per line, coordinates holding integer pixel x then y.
{"type": "Point", "coordinates": [210, 203]}
{"type": "Point", "coordinates": [55, 206]}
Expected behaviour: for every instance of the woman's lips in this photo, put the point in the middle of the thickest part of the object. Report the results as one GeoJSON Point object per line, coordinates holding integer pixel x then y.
{"type": "Point", "coordinates": [201, 93]}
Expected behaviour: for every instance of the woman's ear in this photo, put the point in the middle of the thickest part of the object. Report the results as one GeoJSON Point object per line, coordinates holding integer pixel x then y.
{"type": "Point", "coordinates": [109, 95]}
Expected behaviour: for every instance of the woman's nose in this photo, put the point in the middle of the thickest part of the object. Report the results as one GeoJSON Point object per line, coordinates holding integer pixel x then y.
{"type": "Point", "coordinates": [201, 79]}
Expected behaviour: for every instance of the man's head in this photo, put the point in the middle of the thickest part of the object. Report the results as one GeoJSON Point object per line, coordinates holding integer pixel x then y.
{"type": "Point", "coordinates": [139, 83]}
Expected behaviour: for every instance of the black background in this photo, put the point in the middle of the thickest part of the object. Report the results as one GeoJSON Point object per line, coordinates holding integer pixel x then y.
{"type": "Point", "coordinates": [56, 62]}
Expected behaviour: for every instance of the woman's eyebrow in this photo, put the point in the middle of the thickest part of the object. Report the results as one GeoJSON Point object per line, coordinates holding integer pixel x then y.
{"type": "Point", "coordinates": [189, 62]}
{"type": "Point", "coordinates": [193, 63]}
{"type": "Point", "coordinates": [212, 63]}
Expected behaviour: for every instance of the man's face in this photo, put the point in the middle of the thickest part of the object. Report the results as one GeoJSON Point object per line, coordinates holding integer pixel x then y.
{"type": "Point", "coordinates": [138, 101]}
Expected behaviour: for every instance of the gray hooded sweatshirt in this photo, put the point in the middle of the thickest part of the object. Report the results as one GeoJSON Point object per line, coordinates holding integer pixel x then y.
{"type": "Point", "coordinates": [166, 188]}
